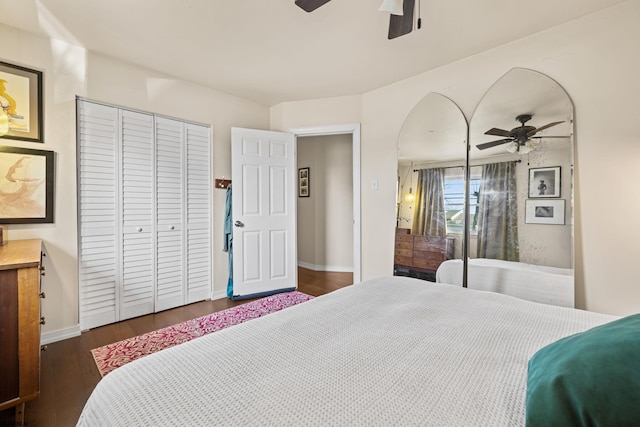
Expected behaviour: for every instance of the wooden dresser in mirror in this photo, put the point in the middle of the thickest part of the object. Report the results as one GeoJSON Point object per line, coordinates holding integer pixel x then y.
{"type": "Point", "coordinates": [420, 255]}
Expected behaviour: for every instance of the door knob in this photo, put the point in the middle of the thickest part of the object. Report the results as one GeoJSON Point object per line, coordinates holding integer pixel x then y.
{"type": "Point", "coordinates": [238, 224]}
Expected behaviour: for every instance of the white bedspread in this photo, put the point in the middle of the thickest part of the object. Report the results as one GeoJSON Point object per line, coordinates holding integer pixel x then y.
{"type": "Point", "coordinates": [537, 283]}
{"type": "Point", "coordinates": [391, 351]}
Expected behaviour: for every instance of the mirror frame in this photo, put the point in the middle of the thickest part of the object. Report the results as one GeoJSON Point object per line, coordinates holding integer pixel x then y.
{"type": "Point", "coordinates": [456, 123]}
{"type": "Point", "coordinates": [567, 113]}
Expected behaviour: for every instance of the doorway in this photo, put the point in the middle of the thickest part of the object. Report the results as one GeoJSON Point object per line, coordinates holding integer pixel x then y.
{"type": "Point", "coordinates": [325, 203]}
{"type": "Point", "coordinates": [329, 198]}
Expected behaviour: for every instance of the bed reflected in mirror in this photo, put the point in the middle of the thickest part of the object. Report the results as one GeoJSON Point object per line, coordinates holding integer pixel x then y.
{"type": "Point", "coordinates": [430, 188]}
{"type": "Point", "coordinates": [521, 191]}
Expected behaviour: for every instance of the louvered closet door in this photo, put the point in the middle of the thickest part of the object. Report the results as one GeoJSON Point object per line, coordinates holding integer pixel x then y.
{"type": "Point", "coordinates": [170, 290]}
{"type": "Point", "coordinates": [198, 190]}
{"type": "Point", "coordinates": [98, 240]}
{"type": "Point", "coordinates": [144, 213]}
{"type": "Point", "coordinates": [138, 222]}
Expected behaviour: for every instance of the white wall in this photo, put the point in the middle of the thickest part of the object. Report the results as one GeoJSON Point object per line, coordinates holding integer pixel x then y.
{"type": "Point", "coordinates": [546, 244]}
{"type": "Point", "coordinates": [306, 222]}
{"type": "Point", "coordinates": [325, 226]}
{"type": "Point", "coordinates": [594, 59]}
{"type": "Point", "coordinates": [70, 71]}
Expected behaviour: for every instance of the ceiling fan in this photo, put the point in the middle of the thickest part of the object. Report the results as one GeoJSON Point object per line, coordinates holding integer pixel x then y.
{"type": "Point", "coordinates": [520, 137]}
{"type": "Point", "coordinates": [399, 24]}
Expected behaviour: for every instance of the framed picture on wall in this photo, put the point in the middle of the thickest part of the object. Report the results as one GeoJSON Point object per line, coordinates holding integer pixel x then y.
{"type": "Point", "coordinates": [26, 185]}
{"type": "Point", "coordinates": [544, 212]}
{"type": "Point", "coordinates": [303, 182]}
{"type": "Point", "coordinates": [544, 182]}
{"type": "Point", "coordinates": [21, 103]}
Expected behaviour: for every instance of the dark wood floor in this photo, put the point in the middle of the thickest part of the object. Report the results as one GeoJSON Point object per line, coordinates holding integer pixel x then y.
{"type": "Point", "coordinates": [68, 373]}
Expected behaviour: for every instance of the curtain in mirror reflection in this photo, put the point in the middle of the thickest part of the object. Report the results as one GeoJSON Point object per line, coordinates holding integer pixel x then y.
{"type": "Point", "coordinates": [498, 212]}
{"type": "Point", "coordinates": [429, 215]}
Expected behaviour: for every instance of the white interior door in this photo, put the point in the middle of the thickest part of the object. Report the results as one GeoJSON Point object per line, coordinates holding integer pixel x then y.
{"type": "Point", "coordinates": [98, 213]}
{"type": "Point", "coordinates": [137, 218]}
{"type": "Point", "coordinates": [170, 290]}
{"type": "Point", "coordinates": [198, 212]}
{"type": "Point", "coordinates": [264, 212]}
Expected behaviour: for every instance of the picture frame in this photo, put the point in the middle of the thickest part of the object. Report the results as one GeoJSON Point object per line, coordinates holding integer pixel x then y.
{"type": "Point", "coordinates": [544, 211]}
{"type": "Point", "coordinates": [544, 182]}
{"type": "Point", "coordinates": [21, 102]}
{"type": "Point", "coordinates": [303, 182]}
{"type": "Point", "coordinates": [26, 185]}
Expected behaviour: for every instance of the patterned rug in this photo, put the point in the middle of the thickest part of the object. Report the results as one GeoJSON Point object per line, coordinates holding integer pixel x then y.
{"type": "Point", "coordinates": [112, 356]}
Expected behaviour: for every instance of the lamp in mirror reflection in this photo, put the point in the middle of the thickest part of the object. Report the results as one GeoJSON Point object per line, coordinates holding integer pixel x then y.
{"type": "Point", "coordinates": [410, 197]}
{"type": "Point", "coordinates": [393, 7]}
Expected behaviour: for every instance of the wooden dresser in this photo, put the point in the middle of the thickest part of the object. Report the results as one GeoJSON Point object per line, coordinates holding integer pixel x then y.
{"type": "Point", "coordinates": [20, 267]}
{"type": "Point", "coordinates": [422, 253]}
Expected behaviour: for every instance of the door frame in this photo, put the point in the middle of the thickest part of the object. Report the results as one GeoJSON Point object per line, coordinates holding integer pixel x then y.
{"type": "Point", "coordinates": [352, 129]}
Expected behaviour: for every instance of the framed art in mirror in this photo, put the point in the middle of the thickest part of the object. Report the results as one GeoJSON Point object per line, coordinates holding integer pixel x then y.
{"type": "Point", "coordinates": [26, 185]}
{"type": "Point", "coordinates": [544, 212]}
{"type": "Point", "coordinates": [21, 115]}
{"type": "Point", "coordinates": [303, 182]}
{"type": "Point", "coordinates": [544, 182]}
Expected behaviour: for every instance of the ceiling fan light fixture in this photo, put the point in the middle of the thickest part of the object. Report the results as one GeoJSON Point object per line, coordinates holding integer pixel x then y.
{"type": "Point", "coordinates": [512, 147]}
{"type": "Point", "coordinates": [526, 148]}
{"type": "Point", "coordinates": [394, 7]}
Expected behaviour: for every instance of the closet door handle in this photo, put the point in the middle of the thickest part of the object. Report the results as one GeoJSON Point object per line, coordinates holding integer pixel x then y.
{"type": "Point", "coordinates": [238, 224]}
{"type": "Point", "coordinates": [172, 227]}
{"type": "Point", "coordinates": [139, 229]}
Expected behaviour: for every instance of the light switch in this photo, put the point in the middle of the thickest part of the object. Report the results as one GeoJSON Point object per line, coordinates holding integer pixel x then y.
{"type": "Point", "coordinates": [374, 185]}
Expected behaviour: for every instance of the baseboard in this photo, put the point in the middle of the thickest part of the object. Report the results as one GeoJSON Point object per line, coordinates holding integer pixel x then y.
{"type": "Point", "coordinates": [218, 295]}
{"type": "Point", "coordinates": [59, 335]}
{"type": "Point", "coordinates": [328, 268]}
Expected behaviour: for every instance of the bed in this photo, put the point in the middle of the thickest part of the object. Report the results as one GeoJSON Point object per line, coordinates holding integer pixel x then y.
{"type": "Point", "coordinates": [537, 283]}
{"type": "Point", "coordinates": [388, 351]}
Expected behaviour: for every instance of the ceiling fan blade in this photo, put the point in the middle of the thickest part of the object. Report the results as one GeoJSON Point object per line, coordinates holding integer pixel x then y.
{"type": "Point", "coordinates": [310, 5]}
{"type": "Point", "coordinates": [490, 144]}
{"type": "Point", "coordinates": [533, 132]}
{"type": "Point", "coordinates": [401, 25]}
{"type": "Point", "coordinates": [498, 132]}
{"type": "Point", "coordinates": [545, 137]}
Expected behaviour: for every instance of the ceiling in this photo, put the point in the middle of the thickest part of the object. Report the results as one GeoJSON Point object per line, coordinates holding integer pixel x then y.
{"type": "Point", "coordinates": [271, 51]}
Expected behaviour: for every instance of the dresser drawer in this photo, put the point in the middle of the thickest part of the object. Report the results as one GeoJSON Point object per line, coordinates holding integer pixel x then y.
{"type": "Point", "coordinates": [404, 245]}
{"type": "Point", "coordinates": [431, 244]}
{"type": "Point", "coordinates": [403, 260]}
{"type": "Point", "coordinates": [407, 253]}
{"type": "Point", "coordinates": [429, 263]}
{"type": "Point", "coordinates": [404, 238]}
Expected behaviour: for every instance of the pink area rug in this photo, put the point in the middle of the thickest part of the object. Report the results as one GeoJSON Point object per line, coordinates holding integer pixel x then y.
{"type": "Point", "coordinates": [112, 356]}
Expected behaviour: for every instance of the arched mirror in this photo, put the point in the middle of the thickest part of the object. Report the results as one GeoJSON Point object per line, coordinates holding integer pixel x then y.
{"type": "Point", "coordinates": [521, 189]}
{"type": "Point", "coordinates": [430, 194]}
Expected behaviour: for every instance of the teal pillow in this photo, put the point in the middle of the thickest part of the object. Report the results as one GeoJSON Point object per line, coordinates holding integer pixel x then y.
{"type": "Point", "coordinates": [587, 379]}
